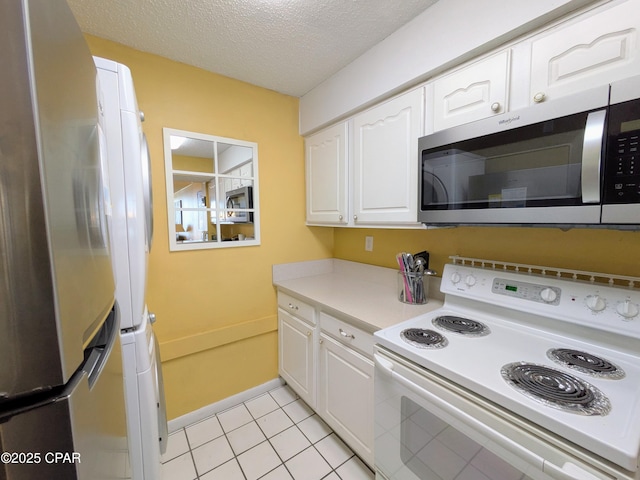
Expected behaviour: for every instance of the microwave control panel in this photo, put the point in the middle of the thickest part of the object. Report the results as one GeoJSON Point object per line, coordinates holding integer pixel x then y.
{"type": "Point", "coordinates": [622, 165]}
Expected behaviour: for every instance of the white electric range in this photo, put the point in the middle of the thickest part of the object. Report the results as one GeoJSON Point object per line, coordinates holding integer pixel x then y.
{"type": "Point", "coordinates": [478, 369]}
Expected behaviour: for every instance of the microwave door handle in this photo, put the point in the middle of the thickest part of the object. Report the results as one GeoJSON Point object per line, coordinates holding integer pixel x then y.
{"type": "Point", "coordinates": [592, 156]}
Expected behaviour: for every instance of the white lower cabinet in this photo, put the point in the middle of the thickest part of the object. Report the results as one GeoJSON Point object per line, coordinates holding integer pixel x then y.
{"type": "Point", "coordinates": [329, 363]}
{"type": "Point", "coordinates": [345, 395]}
{"type": "Point", "coordinates": [296, 352]}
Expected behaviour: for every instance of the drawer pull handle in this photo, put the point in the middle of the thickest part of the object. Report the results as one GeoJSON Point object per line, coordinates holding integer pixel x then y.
{"type": "Point", "coordinates": [293, 307]}
{"type": "Point", "coordinates": [346, 335]}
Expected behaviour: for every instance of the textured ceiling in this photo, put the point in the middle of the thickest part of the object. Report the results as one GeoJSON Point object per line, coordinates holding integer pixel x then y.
{"type": "Point", "coordinates": [289, 46]}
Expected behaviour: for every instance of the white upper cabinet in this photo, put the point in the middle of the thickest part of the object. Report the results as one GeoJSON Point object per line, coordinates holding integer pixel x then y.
{"type": "Point", "coordinates": [594, 49]}
{"type": "Point", "coordinates": [327, 176]}
{"type": "Point", "coordinates": [368, 178]}
{"type": "Point", "coordinates": [473, 92]}
{"type": "Point", "coordinates": [385, 163]}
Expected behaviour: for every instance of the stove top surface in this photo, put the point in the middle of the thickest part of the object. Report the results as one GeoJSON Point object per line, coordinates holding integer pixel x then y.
{"type": "Point", "coordinates": [587, 362]}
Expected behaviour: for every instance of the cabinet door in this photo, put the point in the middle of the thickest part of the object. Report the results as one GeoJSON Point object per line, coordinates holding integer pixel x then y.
{"type": "Point", "coordinates": [593, 50]}
{"type": "Point", "coordinates": [295, 355]}
{"type": "Point", "coordinates": [385, 164]}
{"type": "Point", "coordinates": [346, 395]}
{"type": "Point", "coordinates": [326, 172]}
{"type": "Point", "coordinates": [473, 92]}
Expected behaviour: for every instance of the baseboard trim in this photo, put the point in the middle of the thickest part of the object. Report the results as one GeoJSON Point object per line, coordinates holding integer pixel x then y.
{"type": "Point", "coordinates": [214, 408]}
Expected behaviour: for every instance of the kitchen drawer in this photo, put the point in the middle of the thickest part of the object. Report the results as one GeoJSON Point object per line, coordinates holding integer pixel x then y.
{"type": "Point", "coordinates": [296, 307]}
{"type": "Point", "coordinates": [347, 334]}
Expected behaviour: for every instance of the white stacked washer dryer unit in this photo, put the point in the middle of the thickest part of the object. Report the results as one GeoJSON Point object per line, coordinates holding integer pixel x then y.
{"type": "Point", "coordinates": [131, 236]}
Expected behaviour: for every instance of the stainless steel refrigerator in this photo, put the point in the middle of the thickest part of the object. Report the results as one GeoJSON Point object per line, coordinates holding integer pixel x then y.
{"type": "Point", "coordinates": [62, 413]}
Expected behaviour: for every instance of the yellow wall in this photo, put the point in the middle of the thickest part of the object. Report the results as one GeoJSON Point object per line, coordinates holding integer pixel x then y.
{"type": "Point", "coordinates": [216, 309]}
{"type": "Point", "coordinates": [607, 251]}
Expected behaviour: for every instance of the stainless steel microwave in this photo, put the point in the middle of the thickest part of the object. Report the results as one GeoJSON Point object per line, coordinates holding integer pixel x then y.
{"type": "Point", "coordinates": [239, 205]}
{"type": "Point", "coordinates": [567, 162]}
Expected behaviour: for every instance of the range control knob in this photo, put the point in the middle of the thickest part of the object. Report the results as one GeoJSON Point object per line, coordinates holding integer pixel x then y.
{"type": "Point", "coordinates": [596, 303]}
{"type": "Point", "coordinates": [548, 295]}
{"type": "Point", "coordinates": [455, 277]}
{"type": "Point", "coordinates": [627, 309]}
{"type": "Point", "coordinates": [470, 280]}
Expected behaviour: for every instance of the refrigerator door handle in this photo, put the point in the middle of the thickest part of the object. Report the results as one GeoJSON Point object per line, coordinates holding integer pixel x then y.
{"type": "Point", "coordinates": [96, 355]}
{"type": "Point", "coordinates": [99, 350]}
{"type": "Point", "coordinates": [93, 364]}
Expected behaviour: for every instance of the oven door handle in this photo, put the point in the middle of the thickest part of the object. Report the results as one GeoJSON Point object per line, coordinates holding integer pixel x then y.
{"type": "Point", "coordinates": [569, 471]}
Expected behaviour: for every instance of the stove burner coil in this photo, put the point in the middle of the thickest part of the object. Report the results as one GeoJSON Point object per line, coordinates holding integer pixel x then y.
{"type": "Point", "coordinates": [585, 363]}
{"type": "Point", "coordinates": [556, 389]}
{"type": "Point", "coordinates": [461, 325]}
{"type": "Point", "coordinates": [422, 338]}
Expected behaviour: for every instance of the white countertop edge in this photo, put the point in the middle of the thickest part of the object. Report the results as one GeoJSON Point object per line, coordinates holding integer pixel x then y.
{"type": "Point", "coordinates": [372, 273]}
{"type": "Point", "coordinates": [291, 271]}
{"type": "Point", "coordinates": [361, 292]}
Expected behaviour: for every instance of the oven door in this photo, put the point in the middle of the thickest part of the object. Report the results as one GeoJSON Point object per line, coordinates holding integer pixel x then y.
{"type": "Point", "coordinates": [430, 429]}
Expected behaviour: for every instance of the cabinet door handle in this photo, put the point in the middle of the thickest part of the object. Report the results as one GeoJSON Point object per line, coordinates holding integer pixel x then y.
{"type": "Point", "coordinates": [340, 217]}
{"type": "Point", "coordinates": [539, 97]}
{"type": "Point", "coordinates": [293, 307]}
{"type": "Point", "coordinates": [355, 217]}
{"type": "Point", "coordinates": [308, 334]}
{"type": "Point", "coordinates": [346, 335]}
{"type": "Point", "coordinates": [495, 107]}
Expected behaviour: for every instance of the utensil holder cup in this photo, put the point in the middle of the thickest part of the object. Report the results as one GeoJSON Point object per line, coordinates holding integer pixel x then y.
{"type": "Point", "coordinates": [413, 287]}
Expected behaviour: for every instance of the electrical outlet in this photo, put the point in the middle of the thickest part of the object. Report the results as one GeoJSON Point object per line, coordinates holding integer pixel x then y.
{"type": "Point", "coordinates": [368, 244]}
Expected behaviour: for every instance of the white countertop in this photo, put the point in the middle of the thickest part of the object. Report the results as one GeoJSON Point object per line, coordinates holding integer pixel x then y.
{"type": "Point", "coordinates": [365, 294]}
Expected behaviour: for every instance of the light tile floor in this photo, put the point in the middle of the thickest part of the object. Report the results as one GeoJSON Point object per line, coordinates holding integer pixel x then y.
{"type": "Point", "coordinates": [274, 436]}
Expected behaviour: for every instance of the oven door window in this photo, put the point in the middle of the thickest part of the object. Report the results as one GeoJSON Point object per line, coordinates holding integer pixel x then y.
{"type": "Point", "coordinates": [536, 165]}
{"type": "Point", "coordinates": [417, 440]}
{"type": "Point", "coordinates": [431, 449]}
